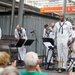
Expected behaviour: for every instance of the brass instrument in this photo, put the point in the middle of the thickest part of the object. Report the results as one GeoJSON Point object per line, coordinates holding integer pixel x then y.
{"type": "Point", "coordinates": [61, 61]}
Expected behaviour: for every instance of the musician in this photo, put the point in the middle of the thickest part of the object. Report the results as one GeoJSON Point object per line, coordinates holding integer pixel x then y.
{"type": "Point", "coordinates": [73, 35]}
{"type": "Point", "coordinates": [47, 33]}
{"type": "Point", "coordinates": [72, 43]}
{"type": "Point", "coordinates": [0, 33]}
{"type": "Point", "coordinates": [63, 29]}
{"type": "Point", "coordinates": [20, 33]}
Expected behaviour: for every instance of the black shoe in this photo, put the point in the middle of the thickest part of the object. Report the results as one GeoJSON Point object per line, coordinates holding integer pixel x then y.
{"type": "Point", "coordinates": [63, 70]}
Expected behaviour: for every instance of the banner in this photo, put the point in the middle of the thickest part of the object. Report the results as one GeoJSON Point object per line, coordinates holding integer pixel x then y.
{"type": "Point", "coordinates": [57, 9]}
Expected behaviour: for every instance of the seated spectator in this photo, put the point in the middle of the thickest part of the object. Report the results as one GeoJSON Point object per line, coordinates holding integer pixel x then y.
{"type": "Point", "coordinates": [31, 63]}
{"type": "Point", "coordinates": [38, 69]}
{"type": "Point", "coordinates": [4, 60]}
{"type": "Point", "coordinates": [10, 70]}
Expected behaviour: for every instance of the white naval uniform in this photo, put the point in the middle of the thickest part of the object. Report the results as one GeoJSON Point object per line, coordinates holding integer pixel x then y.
{"type": "Point", "coordinates": [73, 35]}
{"type": "Point", "coordinates": [0, 33]}
{"type": "Point", "coordinates": [63, 34]}
{"type": "Point", "coordinates": [73, 45]}
{"type": "Point", "coordinates": [21, 50]}
{"type": "Point", "coordinates": [50, 35]}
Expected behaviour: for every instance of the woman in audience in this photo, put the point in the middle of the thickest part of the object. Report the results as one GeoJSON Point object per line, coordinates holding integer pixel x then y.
{"type": "Point", "coordinates": [10, 70]}
{"type": "Point", "coordinates": [4, 60]}
{"type": "Point", "coordinates": [32, 64]}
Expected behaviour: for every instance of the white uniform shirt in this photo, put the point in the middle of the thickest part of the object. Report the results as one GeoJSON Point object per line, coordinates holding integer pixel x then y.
{"type": "Point", "coordinates": [65, 31]}
{"type": "Point", "coordinates": [22, 34]}
{"type": "Point", "coordinates": [73, 35]}
{"type": "Point", "coordinates": [51, 34]}
{"type": "Point", "coordinates": [0, 33]}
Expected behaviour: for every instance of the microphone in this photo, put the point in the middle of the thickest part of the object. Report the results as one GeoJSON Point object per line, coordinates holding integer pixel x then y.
{"type": "Point", "coordinates": [32, 31]}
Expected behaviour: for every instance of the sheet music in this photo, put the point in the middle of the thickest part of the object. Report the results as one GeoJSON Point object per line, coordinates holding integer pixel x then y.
{"type": "Point", "coordinates": [47, 44]}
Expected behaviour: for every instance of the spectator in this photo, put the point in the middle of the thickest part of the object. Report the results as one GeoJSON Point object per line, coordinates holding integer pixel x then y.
{"type": "Point", "coordinates": [4, 60]}
{"type": "Point", "coordinates": [10, 70]}
{"type": "Point", "coordinates": [31, 62]}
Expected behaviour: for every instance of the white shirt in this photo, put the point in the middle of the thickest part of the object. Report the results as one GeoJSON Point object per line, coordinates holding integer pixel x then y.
{"type": "Point", "coordinates": [73, 35]}
{"type": "Point", "coordinates": [51, 33]}
{"type": "Point", "coordinates": [22, 34]}
{"type": "Point", "coordinates": [67, 29]}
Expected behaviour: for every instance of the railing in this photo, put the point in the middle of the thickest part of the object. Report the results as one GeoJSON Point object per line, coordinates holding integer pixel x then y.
{"type": "Point", "coordinates": [5, 41]}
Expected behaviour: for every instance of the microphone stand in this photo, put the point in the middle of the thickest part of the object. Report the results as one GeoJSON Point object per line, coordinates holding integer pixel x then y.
{"type": "Point", "coordinates": [36, 40]}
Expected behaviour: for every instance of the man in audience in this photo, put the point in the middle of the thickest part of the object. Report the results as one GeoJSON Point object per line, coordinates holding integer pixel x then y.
{"type": "Point", "coordinates": [31, 63]}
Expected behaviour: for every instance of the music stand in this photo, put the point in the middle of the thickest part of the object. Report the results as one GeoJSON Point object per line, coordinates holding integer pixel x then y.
{"type": "Point", "coordinates": [23, 42]}
{"type": "Point", "coordinates": [49, 43]}
{"type": "Point", "coordinates": [48, 40]}
{"type": "Point", "coordinates": [20, 43]}
{"type": "Point", "coordinates": [28, 42]}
